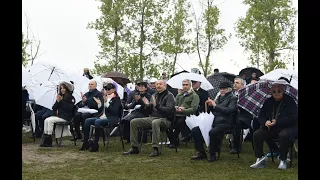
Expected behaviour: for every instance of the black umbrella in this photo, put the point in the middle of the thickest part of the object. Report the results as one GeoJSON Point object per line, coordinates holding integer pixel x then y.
{"type": "Point", "coordinates": [248, 72]}
{"type": "Point", "coordinates": [118, 77]}
{"type": "Point", "coordinates": [216, 79]}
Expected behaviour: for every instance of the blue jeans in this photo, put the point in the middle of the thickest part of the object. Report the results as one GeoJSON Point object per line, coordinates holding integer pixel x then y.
{"type": "Point", "coordinates": [97, 122]}
{"type": "Point", "coordinates": [40, 116]}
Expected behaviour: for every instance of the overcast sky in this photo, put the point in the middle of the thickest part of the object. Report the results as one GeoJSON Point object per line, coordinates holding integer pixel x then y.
{"type": "Point", "coordinates": [60, 25]}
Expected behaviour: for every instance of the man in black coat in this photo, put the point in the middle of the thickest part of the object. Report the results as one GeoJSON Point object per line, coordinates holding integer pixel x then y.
{"type": "Point", "coordinates": [139, 107]}
{"type": "Point", "coordinates": [279, 119]}
{"type": "Point", "coordinates": [88, 101]}
{"type": "Point", "coordinates": [203, 95]}
{"type": "Point", "coordinates": [224, 109]}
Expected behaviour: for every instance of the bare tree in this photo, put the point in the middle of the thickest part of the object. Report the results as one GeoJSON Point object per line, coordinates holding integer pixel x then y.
{"type": "Point", "coordinates": [33, 45]}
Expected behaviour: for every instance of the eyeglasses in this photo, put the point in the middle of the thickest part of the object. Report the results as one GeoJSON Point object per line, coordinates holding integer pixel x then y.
{"type": "Point", "coordinates": [185, 84]}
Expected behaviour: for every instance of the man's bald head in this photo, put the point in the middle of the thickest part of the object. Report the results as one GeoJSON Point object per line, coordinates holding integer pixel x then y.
{"type": "Point", "coordinates": [161, 85]}
{"type": "Point", "coordinates": [92, 85]}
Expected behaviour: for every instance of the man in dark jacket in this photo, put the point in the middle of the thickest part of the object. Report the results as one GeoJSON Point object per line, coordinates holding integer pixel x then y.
{"type": "Point", "coordinates": [279, 119]}
{"type": "Point", "coordinates": [140, 110]}
{"type": "Point", "coordinates": [89, 102]}
{"type": "Point", "coordinates": [224, 109]}
{"type": "Point", "coordinates": [161, 108]}
{"type": "Point", "coordinates": [203, 95]}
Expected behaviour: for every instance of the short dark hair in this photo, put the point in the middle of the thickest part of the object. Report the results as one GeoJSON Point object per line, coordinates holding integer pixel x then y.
{"type": "Point", "coordinates": [216, 70]}
{"type": "Point", "coordinates": [145, 84]}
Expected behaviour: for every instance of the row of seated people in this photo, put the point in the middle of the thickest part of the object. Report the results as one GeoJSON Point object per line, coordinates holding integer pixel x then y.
{"type": "Point", "coordinates": [156, 111]}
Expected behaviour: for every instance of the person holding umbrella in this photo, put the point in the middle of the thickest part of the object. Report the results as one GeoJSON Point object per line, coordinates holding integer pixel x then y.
{"type": "Point", "coordinates": [279, 119]}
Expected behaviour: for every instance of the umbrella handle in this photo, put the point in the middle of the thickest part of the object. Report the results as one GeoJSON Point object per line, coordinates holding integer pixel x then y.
{"type": "Point", "coordinates": [206, 107]}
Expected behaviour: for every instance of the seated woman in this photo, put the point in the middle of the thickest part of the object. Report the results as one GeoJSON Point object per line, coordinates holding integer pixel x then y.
{"type": "Point", "coordinates": [224, 109]}
{"type": "Point", "coordinates": [111, 114]}
{"type": "Point", "coordinates": [63, 110]}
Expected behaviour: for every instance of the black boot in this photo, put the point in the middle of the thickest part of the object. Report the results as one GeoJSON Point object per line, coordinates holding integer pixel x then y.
{"type": "Point", "coordinates": [85, 145]}
{"type": "Point", "coordinates": [155, 152]}
{"type": "Point", "coordinates": [133, 150]}
{"type": "Point", "coordinates": [199, 156]}
{"type": "Point", "coordinates": [46, 141]}
{"type": "Point", "coordinates": [49, 140]}
{"type": "Point", "coordinates": [212, 157]}
{"type": "Point", "coordinates": [95, 145]}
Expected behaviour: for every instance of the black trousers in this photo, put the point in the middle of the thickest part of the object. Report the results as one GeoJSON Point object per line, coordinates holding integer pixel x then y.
{"type": "Point", "coordinates": [237, 133]}
{"type": "Point", "coordinates": [80, 118]}
{"type": "Point", "coordinates": [263, 134]}
{"type": "Point", "coordinates": [181, 126]}
{"type": "Point", "coordinates": [126, 125]}
{"type": "Point", "coordinates": [215, 138]}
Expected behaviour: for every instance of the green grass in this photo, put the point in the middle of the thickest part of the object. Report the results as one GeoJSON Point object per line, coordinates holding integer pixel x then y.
{"type": "Point", "coordinates": [68, 162]}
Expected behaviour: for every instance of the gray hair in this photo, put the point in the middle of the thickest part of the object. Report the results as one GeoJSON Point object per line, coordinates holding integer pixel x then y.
{"type": "Point", "coordinates": [242, 81]}
{"type": "Point", "coordinates": [187, 80]}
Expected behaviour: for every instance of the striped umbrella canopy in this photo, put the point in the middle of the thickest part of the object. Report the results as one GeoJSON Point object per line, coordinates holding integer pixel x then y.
{"type": "Point", "coordinates": [252, 97]}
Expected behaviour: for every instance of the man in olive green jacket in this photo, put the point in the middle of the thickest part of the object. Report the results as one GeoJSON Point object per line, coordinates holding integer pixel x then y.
{"type": "Point", "coordinates": [187, 104]}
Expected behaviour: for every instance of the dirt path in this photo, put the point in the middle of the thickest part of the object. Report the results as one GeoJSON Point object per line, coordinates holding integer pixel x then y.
{"type": "Point", "coordinates": [31, 154]}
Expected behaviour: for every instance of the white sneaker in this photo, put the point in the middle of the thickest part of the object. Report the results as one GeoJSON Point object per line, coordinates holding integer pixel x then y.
{"type": "Point", "coordinates": [282, 165]}
{"type": "Point", "coordinates": [260, 163]}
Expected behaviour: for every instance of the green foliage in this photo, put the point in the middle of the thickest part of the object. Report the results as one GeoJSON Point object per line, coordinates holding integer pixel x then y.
{"type": "Point", "coordinates": [145, 29]}
{"type": "Point", "coordinates": [111, 35]}
{"type": "Point", "coordinates": [266, 30]}
{"type": "Point", "coordinates": [129, 36]}
{"type": "Point", "coordinates": [25, 55]}
{"type": "Point", "coordinates": [212, 38]}
{"type": "Point", "coordinates": [174, 40]}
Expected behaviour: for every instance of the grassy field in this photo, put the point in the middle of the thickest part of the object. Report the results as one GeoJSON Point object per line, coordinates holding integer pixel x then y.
{"type": "Point", "coordinates": [68, 162]}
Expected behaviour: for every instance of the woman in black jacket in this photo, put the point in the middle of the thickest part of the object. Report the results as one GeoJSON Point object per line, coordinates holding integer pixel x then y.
{"type": "Point", "coordinates": [112, 113]}
{"type": "Point", "coordinates": [63, 109]}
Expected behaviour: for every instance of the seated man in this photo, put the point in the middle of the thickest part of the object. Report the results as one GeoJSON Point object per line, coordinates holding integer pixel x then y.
{"type": "Point", "coordinates": [40, 116]}
{"type": "Point", "coordinates": [161, 107]}
{"type": "Point", "coordinates": [279, 119]}
{"type": "Point", "coordinates": [138, 112]}
{"type": "Point", "coordinates": [88, 101]}
{"type": "Point", "coordinates": [203, 95]}
{"type": "Point", "coordinates": [187, 103]}
{"type": "Point", "coordinates": [224, 109]}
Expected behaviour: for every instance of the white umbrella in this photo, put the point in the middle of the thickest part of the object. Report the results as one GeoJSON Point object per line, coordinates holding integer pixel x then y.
{"type": "Point", "coordinates": [80, 82]}
{"type": "Point", "coordinates": [191, 121]}
{"type": "Point", "coordinates": [176, 81]}
{"type": "Point", "coordinates": [26, 77]}
{"type": "Point", "coordinates": [277, 73]}
{"type": "Point", "coordinates": [32, 87]}
{"type": "Point", "coordinates": [101, 81]}
{"type": "Point", "coordinates": [43, 72]}
{"type": "Point", "coordinates": [204, 121]}
{"type": "Point", "coordinates": [45, 95]}
{"type": "Point", "coordinates": [205, 125]}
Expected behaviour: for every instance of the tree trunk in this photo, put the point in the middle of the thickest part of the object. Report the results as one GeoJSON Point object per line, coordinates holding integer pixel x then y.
{"type": "Point", "coordinates": [141, 42]}
{"type": "Point", "coordinates": [174, 62]}
{"type": "Point", "coordinates": [117, 48]}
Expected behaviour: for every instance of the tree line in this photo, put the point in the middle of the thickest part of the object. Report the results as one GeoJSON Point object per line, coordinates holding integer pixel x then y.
{"type": "Point", "coordinates": [143, 38]}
